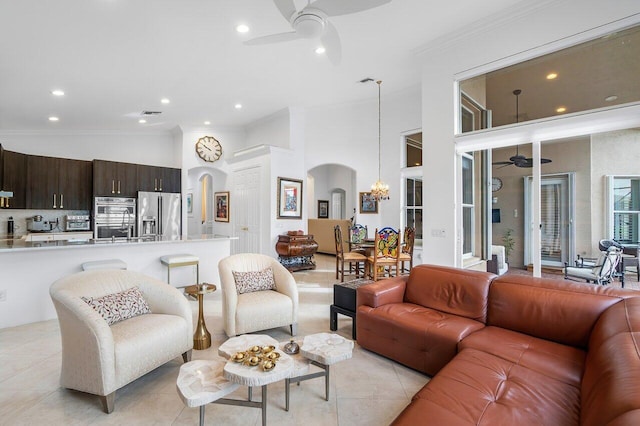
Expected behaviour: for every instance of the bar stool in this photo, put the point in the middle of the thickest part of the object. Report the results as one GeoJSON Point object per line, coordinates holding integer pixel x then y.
{"type": "Point", "coordinates": [179, 260]}
{"type": "Point", "coordinates": [104, 264]}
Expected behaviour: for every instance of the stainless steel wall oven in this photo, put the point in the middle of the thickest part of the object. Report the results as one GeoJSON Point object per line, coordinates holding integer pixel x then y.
{"type": "Point", "coordinates": [114, 218]}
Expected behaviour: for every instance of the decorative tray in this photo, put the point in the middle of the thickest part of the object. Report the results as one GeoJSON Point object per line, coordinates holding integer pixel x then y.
{"type": "Point", "coordinates": [265, 357]}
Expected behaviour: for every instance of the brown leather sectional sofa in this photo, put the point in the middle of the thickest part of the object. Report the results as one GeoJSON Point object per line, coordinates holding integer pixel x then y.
{"type": "Point", "coordinates": [512, 350]}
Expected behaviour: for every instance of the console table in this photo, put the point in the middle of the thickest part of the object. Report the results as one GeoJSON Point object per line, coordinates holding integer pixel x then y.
{"type": "Point", "coordinates": [295, 252]}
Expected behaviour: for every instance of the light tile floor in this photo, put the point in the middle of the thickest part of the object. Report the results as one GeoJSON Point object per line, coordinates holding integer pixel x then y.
{"type": "Point", "coordinates": [365, 390]}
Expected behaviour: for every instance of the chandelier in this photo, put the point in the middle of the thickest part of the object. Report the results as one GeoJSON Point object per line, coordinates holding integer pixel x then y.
{"type": "Point", "coordinates": [379, 190]}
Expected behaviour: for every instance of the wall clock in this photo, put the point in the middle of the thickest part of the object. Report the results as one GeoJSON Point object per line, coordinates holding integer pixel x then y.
{"type": "Point", "coordinates": [496, 184]}
{"type": "Point", "coordinates": [208, 148]}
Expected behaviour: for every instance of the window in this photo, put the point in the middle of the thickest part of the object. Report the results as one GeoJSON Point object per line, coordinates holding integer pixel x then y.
{"type": "Point", "coordinates": [467, 205]}
{"type": "Point", "coordinates": [413, 205]}
{"type": "Point", "coordinates": [413, 150]}
{"type": "Point", "coordinates": [625, 209]}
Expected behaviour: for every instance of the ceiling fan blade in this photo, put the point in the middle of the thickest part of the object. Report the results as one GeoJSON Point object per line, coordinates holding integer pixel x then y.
{"type": "Point", "coordinates": [500, 163]}
{"type": "Point", "coordinates": [544, 161]}
{"type": "Point", "coordinates": [506, 165]}
{"type": "Point", "coordinates": [273, 38]}
{"type": "Point", "coordinates": [331, 42]}
{"type": "Point", "coordinates": [342, 7]}
{"type": "Point", "coordinates": [286, 7]}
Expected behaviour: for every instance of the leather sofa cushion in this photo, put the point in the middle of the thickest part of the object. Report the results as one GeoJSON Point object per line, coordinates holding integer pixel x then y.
{"type": "Point", "coordinates": [562, 362]}
{"type": "Point", "coordinates": [611, 381]}
{"type": "Point", "coordinates": [418, 337]}
{"type": "Point", "coordinates": [559, 311]}
{"type": "Point", "coordinates": [478, 388]}
{"type": "Point", "coordinates": [454, 291]}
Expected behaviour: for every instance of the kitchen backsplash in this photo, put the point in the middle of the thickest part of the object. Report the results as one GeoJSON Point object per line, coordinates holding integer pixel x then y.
{"type": "Point", "coordinates": [20, 219]}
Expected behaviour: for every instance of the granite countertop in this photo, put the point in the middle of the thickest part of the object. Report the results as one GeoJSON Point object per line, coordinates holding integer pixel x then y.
{"type": "Point", "coordinates": [18, 243]}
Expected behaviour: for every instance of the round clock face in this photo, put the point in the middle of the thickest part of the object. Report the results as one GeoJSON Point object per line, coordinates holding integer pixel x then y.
{"type": "Point", "coordinates": [496, 184]}
{"type": "Point", "coordinates": [208, 148]}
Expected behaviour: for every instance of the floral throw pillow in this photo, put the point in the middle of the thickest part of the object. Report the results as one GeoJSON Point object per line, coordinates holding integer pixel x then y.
{"type": "Point", "coordinates": [120, 306]}
{"type": "Point", "coordinates": [247, 282]}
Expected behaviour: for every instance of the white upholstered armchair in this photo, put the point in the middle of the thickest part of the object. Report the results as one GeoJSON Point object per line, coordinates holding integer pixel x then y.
{"type": "Point", "coordinates": [98, 358]}
{"type": "Point", "coordinates": [257, 310]}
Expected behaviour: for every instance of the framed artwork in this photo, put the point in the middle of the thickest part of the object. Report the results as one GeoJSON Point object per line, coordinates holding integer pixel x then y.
{"type": "Point", "coordinates": [323, 209]}
{"type": "Point", "coordinates": [190, 203]}
{"type": "Point", "coordinates": [289, 198]}
{"type": "Point", "coordinates": [368, 204]}
{"type": "Point", "coordinates": [221, 201]}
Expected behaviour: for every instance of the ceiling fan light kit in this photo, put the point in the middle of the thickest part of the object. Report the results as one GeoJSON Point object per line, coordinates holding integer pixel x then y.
{"type": "Point", "coordinates": [312, 22]}
{"type": "Point", "coordinates": [519, 160]}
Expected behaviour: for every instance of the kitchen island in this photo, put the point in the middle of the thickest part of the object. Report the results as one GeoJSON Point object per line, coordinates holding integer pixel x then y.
{"type": "Point", "coordinates": [29, 268]}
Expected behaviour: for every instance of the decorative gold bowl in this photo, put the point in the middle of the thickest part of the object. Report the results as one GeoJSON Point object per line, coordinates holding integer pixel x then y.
{"type": "Point", "coordinates": [268, 365]}
{"type": "Point", "coordinates": [239, 356]}
{"type": "Point", "coordinates": [264, 356]}
{"type": "Point", "coordinates": [255, 349]}
{"type": "Point", "coordinates": [268, 349]}
{"type": "Point", "coordinates": [272, 356]}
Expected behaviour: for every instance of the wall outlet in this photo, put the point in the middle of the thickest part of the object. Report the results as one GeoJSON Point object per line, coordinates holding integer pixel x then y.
{"type": "Point", "coordinates": [3, 295]}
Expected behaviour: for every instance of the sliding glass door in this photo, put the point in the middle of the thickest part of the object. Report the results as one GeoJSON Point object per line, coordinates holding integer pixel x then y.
{"type": "Point", "coordinates": [556, 219]}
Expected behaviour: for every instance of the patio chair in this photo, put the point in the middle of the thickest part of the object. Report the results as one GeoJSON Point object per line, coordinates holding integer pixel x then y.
{"type": "Point", "coordinates": [601, 272]}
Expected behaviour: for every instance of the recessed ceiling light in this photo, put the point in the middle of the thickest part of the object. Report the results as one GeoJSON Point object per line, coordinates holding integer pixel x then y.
{"type": "Point", "coordinates": [206, 123]}
{"type": "Point", "coordinates": [611, 98]}
{"type": "Point", "coordinates": [320, 50]}
{"type": "Point", "coordinates": [552, 76]}
{"type": "Point", "coordinates": [57, 92]}
{"type": "Point", "coordinates": [52, 118]}
{"type": "Point", "coordinates": [561, 109]}
{"type": "Point", "coordinates": [142, 121]}
{"type": "Point", "coordinates": [242, 28]}
{"type": "Point", "coordinates": [165, 100]}
{"type": "Point", "coordinates": [238, 106]}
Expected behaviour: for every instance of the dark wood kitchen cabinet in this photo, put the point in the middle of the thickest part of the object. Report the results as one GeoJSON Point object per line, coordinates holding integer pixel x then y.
{"type": "Point", "coordinates": [14, 177]}
{"type": "Point", "coordinates": [114, 179]}
{"type": "Point", "coordinates": [58, 183]}
{"type": "Point", "coordinates": [158, 179]}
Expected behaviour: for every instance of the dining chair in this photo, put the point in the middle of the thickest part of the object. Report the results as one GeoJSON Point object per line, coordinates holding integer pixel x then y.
{"type": "Point", "coordinates": [357, 235]}
{"type": "Point", "coordinates": [349, 257]}
{"type": "Point", "coordinates": [406, 254]}
{"type": "Point", "coordinates": [386, 253]}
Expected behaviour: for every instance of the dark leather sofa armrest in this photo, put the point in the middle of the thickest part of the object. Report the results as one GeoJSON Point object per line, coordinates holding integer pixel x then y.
{"type": "Point", "coordinates": [382, 292]}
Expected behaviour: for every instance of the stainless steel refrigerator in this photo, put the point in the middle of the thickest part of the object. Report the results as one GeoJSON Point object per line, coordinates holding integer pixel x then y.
{"type": "Point", "coordinates": [159, 215]}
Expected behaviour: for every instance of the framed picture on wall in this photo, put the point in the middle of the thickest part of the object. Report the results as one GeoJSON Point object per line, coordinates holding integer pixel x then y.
{"type": "Point", "coordinates": [289, 198]}
{"type": "Point", "coordinates": [221, 202]}
{"type": "Point", "coordinates": [323, 209]}
{"type": "Point", "coordinates": [190, 203]}
{"type": "Point", "coordinates": [368, 204]}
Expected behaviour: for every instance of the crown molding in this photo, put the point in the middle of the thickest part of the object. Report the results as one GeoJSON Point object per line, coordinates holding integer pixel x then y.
{"type": "Point", "coordinates": [484, 25]}
{"type": "Point", "coordinates": [83, 133]}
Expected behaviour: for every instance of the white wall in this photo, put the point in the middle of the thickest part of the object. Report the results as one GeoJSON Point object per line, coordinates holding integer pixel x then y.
{"type": "Point", "coordinates": [530, 26]}
{"type": "Point", "coordinates": [141, 148]}
{"type": "Point", "coordinates": [271, 130]}
{"type": "Point", "coordinates": [347, 135]}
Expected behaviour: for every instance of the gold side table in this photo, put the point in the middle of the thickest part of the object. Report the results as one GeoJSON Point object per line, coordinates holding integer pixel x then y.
{"type": "Point", "coordinates": [201, 336]}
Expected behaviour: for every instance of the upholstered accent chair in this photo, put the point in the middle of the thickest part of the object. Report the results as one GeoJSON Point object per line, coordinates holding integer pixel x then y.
{"type": "Point", "coordinates": [99, 358]}
{"type": "Point", "coordinates": [350, 257]}
{"type": "Point", "coordinates": [386, 253]}
{"type": "Point", "coordinates": [249, 311]}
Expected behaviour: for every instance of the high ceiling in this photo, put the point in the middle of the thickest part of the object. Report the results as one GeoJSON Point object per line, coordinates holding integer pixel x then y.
{"type": "Point", "coordinates": [116, 58]}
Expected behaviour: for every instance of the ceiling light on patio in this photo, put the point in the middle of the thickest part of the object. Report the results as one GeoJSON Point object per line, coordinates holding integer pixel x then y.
{"type": "Point", "coordinates": [552, 76]}
{"type": "Point", "coordinates": [379, 190]}
{"type": "Point", "coordinates": [561, 109]}
{"type": "Point", "coordinates": [57, 92]}
{"type": "Point", "coordinates": [242, 28]}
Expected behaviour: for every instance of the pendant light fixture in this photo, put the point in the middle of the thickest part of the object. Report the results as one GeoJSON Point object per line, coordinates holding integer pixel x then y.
{"type": "Point", "coordinates": [379, 190]}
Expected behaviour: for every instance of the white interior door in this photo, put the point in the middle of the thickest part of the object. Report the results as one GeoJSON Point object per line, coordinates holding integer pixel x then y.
{"type": "Point", "coordinates": [245, 201]}
{"type": "Point", "coordinates": [337, 208]}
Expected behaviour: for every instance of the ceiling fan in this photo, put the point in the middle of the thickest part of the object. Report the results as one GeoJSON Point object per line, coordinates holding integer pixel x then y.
{"type": "Point", "coordinates": [519, 160]}
{"type": "Point", "coordinates": [312, 23]}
